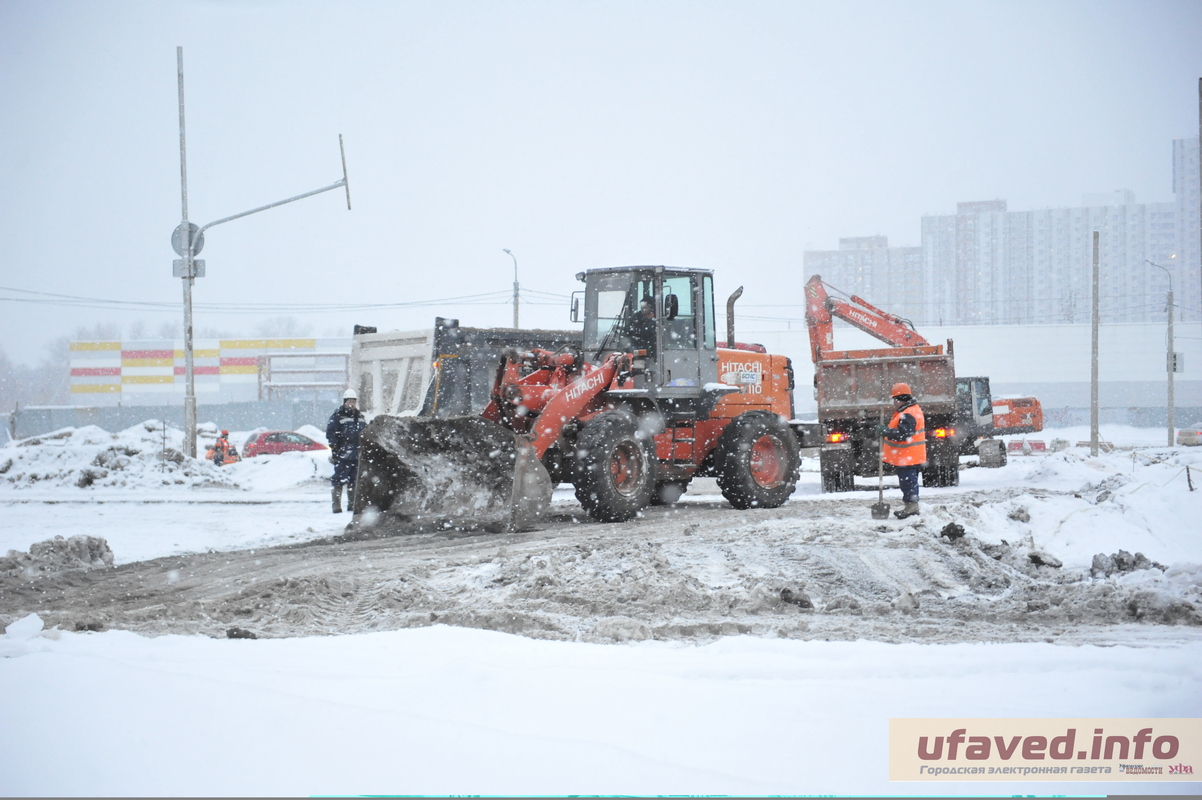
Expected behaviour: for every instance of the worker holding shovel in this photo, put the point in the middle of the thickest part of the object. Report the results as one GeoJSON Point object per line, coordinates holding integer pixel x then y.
{"type": "Point", "coordinates": [905, 446]}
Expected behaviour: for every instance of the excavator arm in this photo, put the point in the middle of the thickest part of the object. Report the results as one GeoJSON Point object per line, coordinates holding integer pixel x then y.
{"type": "Point", "coordinates": [822, 309]}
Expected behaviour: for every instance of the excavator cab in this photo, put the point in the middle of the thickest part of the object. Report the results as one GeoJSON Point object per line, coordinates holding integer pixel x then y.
{"type": "Point", "coordinates": [664, 316]}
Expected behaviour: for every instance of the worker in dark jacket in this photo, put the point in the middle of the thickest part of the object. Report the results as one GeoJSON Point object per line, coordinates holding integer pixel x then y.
{"type": "Point", "coordinates": [905, 446]}
{"type": "Point", "coordinates": [342, 434]}
{"type": "Point", "coordinates": [642, 327]}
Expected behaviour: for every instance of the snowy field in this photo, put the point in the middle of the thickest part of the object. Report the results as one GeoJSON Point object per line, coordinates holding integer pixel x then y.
{"type": "Point", "coordinates": [441, 709]}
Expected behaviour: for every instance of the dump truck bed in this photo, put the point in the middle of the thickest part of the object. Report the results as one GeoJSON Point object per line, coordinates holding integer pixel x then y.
{"type": "Point", "coordinates": [442, 371]}
{"type": "Point", "coordinates": [857, 387]}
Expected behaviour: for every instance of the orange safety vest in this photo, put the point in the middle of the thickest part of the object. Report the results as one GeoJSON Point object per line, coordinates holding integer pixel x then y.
{"type": "Point", "coordinates": [913, 451]}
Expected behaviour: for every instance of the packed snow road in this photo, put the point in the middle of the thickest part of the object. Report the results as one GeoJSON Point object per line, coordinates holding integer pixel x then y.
{"type": "Point", "coordinates": [817, 568]}
{"type": "Point", "coordinates": [1060, 547]}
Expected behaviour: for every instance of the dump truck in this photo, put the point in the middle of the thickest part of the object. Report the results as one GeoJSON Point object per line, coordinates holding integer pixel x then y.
{"type": "Point", "coordinates": [472, 428]}
{"type": "Point", "coordinates": [852, 390]}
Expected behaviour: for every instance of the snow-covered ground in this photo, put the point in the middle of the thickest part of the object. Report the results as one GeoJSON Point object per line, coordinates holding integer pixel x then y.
{"type": "Point", "coordinates": [448, 710]}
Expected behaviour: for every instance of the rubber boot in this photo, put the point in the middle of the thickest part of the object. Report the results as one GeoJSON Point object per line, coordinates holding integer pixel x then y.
{"type": "Point", "coordinates": [908, 510]}
{"type": "Point", "coordinates": [337, 497]}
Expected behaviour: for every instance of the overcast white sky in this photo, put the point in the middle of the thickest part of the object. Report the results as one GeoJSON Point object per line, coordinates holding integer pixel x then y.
{"type": "Point", "coordinates": [726, 135]}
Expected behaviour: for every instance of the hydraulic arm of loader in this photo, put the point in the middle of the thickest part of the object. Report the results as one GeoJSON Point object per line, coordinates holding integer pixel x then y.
{"type": "Point", "coordinates": [558, 388]}
{"type": "Point", "coordinates": [821, 308]}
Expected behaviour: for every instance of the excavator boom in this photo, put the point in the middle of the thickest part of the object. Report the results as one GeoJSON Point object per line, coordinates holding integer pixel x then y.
{"type": "Point", "coordinates": [821, 309]}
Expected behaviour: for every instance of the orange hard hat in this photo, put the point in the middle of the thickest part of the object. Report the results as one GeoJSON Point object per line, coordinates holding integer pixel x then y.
{"type": "Point", "coordinates": [225, 433]}
{"type": "Point", "coordinates": [900, 389]}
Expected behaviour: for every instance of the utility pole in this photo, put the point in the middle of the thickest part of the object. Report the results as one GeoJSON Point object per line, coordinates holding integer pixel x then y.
{"type": "Point", "coordinates": [1093, 362]}
{"type": "Point", "coordinates": [1171, 356]}
{"type": "Point", "coordinates": [188, 240]}
{"type": "Point", "coordinates": [515, 287]}
{"type": "Point", "coordinates": [187, 252]}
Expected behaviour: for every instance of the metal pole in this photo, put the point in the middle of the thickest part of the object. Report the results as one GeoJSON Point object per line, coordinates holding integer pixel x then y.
{"type": "Point", "coordinates": [189, 373]}
{"type": "Point", "coordinates": [515, 288]}
{"type": "Point", "coordinates": [1169, 363]}
{"type": "Point", "coordinates": [1093, 363]}
{"type": "Point", "coordinates": [1169, 345]}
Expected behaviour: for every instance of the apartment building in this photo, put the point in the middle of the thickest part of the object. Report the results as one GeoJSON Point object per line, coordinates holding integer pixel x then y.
{"type": "Point", "coordinates": [988, 265]}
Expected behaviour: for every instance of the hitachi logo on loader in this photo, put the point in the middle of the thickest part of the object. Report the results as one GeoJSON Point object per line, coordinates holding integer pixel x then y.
{"type": "Point", "coordinates": [742, 366]}
{"type": "Point", "coordinates": [586, 385]}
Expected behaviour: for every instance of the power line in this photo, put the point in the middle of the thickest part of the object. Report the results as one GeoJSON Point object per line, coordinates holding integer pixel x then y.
{"type": "Point", "coordinates": [77, 301]}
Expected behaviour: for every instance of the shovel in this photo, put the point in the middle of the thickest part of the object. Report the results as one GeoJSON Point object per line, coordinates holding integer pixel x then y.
{"type": "Point", "coordinates": [880, 509]}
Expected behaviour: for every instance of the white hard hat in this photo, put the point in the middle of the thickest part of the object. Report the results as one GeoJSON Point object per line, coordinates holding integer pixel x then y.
{"type": "Point", "coordinates": [350, 394]}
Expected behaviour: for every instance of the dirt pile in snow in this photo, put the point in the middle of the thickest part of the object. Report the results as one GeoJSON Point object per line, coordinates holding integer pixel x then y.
{"type": "Point", "coordinates": [1120, 562]}
{"type": "Point", "coordinates": [59, 554]}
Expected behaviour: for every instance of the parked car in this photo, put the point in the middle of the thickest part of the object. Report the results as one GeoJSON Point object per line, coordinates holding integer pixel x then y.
{"type": "Point", "coordinates": [1191, 435]}
{"type": "Point", "coordinates": [267, 443]}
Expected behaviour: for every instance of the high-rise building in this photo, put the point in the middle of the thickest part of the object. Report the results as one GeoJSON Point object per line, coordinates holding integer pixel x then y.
{"type": "Point", "coordinates": [889, 277]}
{"type": "Point", "coordinates": [987, 265]}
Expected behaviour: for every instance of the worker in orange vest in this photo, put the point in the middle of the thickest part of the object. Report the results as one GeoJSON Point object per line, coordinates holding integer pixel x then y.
{"type": "Point", "coordinates": [905, 446]}
{"type": "Point", "coordinates": [224, 452]}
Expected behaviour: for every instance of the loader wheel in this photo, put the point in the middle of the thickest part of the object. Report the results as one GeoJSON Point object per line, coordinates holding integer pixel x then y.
{"type": "Point", "coordinates": [757, 461]}
{"type": "Point", "coordinates": [615, 473]}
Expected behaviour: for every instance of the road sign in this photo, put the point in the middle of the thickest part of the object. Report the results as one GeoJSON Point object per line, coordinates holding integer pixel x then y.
{"type": "Point", "coordinates": [177, 239]}
{"type": "Point", "coordinates": [198, 268]}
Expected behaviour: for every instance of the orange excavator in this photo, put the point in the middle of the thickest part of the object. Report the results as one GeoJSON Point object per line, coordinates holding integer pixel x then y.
{"type": "Point", "coordinates": [644, 403]}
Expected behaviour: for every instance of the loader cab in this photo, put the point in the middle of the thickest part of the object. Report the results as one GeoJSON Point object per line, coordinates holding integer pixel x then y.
{"type": "Point", "coordinates": [665, 312]}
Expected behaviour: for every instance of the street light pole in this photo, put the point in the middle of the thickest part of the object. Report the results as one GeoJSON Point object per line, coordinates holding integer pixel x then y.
{"type": "Point", "coordinates": [1170, 359]}
{"type": "Point", "coordinates": [515, 287]}
{"type": "Point", "coordinates": [191, 240]}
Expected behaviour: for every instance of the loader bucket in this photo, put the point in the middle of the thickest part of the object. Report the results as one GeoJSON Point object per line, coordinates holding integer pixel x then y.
{"type": "Point", "coordinates": [461, 472]}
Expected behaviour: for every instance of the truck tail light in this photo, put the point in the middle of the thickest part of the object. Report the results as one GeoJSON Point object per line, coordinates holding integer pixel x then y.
{"type": "Point", "coordinates": [836, 437]}
{"type": "Point", "coordinates": [944, 433]}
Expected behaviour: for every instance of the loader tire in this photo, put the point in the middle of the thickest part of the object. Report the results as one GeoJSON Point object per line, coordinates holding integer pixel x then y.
{"type": "Point", "coordinates": [615, 472]}
{"type": "Point", "coordinates": [757, 461]}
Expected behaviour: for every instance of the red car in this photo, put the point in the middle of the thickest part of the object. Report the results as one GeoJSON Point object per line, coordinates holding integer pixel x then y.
{"type": "Point", "coordinates": [275, 442]}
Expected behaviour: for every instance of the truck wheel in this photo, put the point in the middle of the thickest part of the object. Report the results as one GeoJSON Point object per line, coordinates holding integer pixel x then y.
{"type": "Point", "coordinates": [615, 472]}
{"type": "Point", "coordinates": [992, 453]}
{"type": "Point", "coordinates": [941, 475]}
{"type": "Point", "coordinates": [757, 461]}
{"type": "Point", "coordinates": [943, 464]}
{"type": "Point", "coordinates": [668, 492]}
{"type": "Point", "coordinates": [837, 473]}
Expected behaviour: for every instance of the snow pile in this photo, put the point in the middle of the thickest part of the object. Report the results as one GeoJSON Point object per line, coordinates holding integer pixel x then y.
{"type": "Point", "coordinates": [139, 457]}
{"type": "Point", "coordinates": [283, 471]}
{"type": "Point", "coordinates": [1076, 507]}
{"type": "Point", "coordinates": [314, 433]}
{"type": "Point", "coordinates": [59, 554]}
{"type": "Point", "coordinates": [147, 456]}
